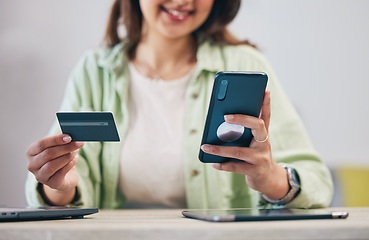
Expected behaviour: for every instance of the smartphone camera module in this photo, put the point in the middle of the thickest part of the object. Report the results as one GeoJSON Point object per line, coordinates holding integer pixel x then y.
{"type": "Point", "coordinates": [222, 90]}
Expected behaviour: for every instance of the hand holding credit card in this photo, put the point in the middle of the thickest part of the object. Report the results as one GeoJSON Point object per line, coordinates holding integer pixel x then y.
{"type": "Point", "coordinates": [89, 126]}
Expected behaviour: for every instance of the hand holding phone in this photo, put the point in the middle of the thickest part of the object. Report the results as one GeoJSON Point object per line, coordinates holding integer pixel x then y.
{"type": "Point", "coordinates": [233, 93]}
{"type": "Point", "coordinates": [245, 99]}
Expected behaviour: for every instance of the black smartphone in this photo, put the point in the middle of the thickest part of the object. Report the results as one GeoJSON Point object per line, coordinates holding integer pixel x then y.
{"type": "Point", "coordinates": [233, 93]}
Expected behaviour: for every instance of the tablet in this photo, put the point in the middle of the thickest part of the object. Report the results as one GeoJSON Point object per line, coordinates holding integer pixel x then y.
{"type": "Point", "coordinates": [233, 215]}
{"type": "Point", "coordinates": [42, 213]}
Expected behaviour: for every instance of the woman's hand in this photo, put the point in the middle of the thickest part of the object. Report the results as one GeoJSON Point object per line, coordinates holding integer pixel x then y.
{"type": "Point", "coordinates": [52, 160]}
{"type": "Point", "coordinates": [262, 172]}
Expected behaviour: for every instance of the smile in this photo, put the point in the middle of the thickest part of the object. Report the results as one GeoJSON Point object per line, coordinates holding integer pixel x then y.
{"type": "Point", "coordinates": [177, 14]}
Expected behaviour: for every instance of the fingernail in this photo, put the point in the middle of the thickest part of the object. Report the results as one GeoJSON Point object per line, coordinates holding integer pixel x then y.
{"type": "Point", "coordinates": [228, 117]}
{"type": "Point", "coordinates": [206, 148]}
{"type": "Point", "coordinates": [67, 139]}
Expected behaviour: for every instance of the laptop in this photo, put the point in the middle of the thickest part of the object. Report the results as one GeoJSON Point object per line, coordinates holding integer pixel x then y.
{"type": "Point", "coordinates": [43, 213]}
{"type": "Point", "coordinates": [232, 215]}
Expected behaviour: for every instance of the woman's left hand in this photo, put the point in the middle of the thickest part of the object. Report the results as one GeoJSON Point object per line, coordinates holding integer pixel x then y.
{"type": "Point", "coordinates": [262, 172]}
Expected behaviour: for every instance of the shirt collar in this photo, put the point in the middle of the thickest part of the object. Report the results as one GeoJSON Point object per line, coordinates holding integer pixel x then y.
{"type": "Point", "coordinates": [209, 57]}
{"type": "Point", "coordinates": [114, 59]}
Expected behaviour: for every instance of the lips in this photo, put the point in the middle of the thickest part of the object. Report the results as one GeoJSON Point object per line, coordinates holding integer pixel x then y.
{"type": "Point", "coordinates": [177, 14]}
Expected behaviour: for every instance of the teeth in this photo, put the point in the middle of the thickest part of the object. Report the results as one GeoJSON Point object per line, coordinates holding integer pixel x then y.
{"type": "Point", "coordinates": [177, 13]}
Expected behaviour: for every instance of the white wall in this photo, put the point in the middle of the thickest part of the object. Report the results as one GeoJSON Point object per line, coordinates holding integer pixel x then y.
{"type": "Point", "coordinates": [40, 41]}
{"type": "Point", "coordinates": [319, 50]}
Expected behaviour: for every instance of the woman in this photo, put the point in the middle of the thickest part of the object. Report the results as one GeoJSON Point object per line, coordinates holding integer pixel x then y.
{"type": "Point", "coordinates": [157, 81]}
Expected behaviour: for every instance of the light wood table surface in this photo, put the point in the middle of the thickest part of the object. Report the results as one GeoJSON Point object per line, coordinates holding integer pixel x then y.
{"type": "Point", "coordinates": [170, 224]}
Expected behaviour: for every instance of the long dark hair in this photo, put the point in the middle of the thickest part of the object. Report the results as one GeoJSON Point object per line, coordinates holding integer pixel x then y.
{"type": "Point", "coordinates": [128, 13]}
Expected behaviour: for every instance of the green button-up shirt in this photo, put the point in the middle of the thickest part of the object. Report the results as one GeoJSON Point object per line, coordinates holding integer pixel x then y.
{"type": "Point", "coordinates": [100, 82]}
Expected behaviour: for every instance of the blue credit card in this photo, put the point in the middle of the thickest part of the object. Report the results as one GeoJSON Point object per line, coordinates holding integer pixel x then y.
{"type": "Point", "coordinates": [89, 126]}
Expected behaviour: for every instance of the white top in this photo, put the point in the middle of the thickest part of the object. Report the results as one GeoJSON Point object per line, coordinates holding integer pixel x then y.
{"type": "Point", "coordinates": [152, 161]}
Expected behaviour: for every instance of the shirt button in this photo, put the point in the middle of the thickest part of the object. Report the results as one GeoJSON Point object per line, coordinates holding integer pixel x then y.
{"type": "Point", "coordinates": [193, 131]}
{"type": "Point", "coordinates": [195, 96]}
{"type": "Point", "coordinates": [194, 173]}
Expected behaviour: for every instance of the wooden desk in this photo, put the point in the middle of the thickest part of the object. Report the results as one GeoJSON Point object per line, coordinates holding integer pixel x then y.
{"type": "Point", "coordinates": [169, 224]}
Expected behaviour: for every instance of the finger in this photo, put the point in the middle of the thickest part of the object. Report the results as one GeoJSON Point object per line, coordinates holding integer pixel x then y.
{"type": "Point", "coordinates": [52, 153]}
{"type": "Point", "coordinates": [257, 125]}
{"type": "Point", "coordinates": [236, 167]}
{"type": "Point", "coordinates": [265, 110]}
{"type": "Point", "coordinates": [56, 179]}
{"type": "Point", "coordinates": [39, 146]}
{"type": "Point", "coordinates": [241, 153]}
{"type": "Point", "coordinates": [66, 169]}
{"type": "Point", "coordinates": [51, 167]}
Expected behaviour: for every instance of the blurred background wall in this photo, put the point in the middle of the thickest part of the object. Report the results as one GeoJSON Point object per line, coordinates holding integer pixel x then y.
{"type": "Point", "coordinates": [319, 50]}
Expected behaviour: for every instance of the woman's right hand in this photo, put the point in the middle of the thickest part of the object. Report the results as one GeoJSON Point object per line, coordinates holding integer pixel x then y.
{"type": "Point", "coordinates": [52, 160]}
